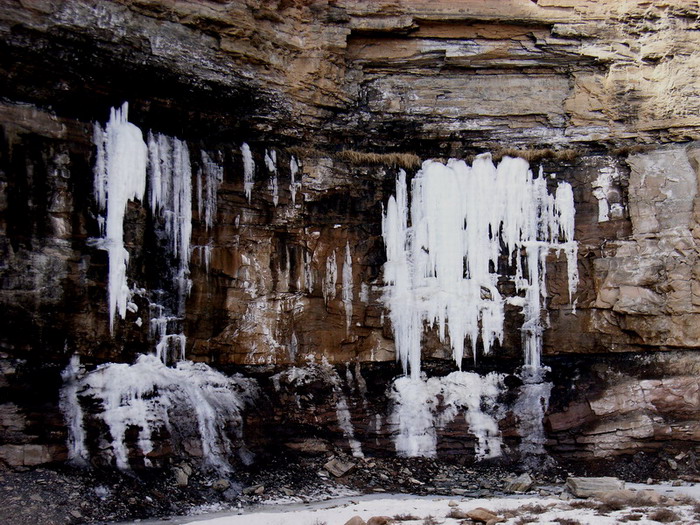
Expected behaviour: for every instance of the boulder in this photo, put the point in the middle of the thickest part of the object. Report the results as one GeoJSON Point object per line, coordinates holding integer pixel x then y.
{"type": "Point", "coordinates": [221, 484]}
{"type": "Point", "coordinates": [587, 487]}
{"type": "Point", "coordinates": [481, 515]}
{"type": "Point", "coordinates": [380, 520]}
{"type": "Point", "coordinates": [522, 483]}
{"type": "Point", "coordinates": [338, 467]}
{"type": "Point", "coordinates": [355, 520]}
{"type": "Point", "coordinates": [181, 477]}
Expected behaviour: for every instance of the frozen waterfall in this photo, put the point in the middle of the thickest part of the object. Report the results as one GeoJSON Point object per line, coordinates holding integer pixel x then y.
{"type": "Point", "coordinates": [185, 402]}
{"type": "Point", "coordinates": [442, 266]}
{"type": "Point", "coordinates": [445, 251]}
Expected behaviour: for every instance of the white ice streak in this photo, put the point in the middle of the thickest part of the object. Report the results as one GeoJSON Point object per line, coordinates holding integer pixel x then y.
{"type": "Point", "coordinates": [73, 412]}
{"type": "Point", "coordinates": [530, 409]}
{"type": "Point", "coordinates": [296, 377]}
{"type": "Point", "coordinates": [171, 198]}
{"type": "Point", "coordinates": [347, 289]}
{"type": "Point", "coordinates": [248, 171]}
{"type": "Point", "coordinates": [331, 278]}
{"type": "Point", "coordinates": [190, 400]}
{"type": "Point", "coordinates": [443, 268]}
{"type": "Point", "coordinates": [308, 271]}
{"type": "Point", "coordinates": [414, 406]}
{"type": "Point", "coordinates": [293, 184]}
{"type": "Point", "coordinates": [204, 253]}
{"type": "Point", "coordinates": [271, 163]}
{"type": "Point", "coordinates": [120, 176]}
{"type": "Point", "coordinates": [422, 405]}
{"type": "Point", "coordinates": [210, 178]}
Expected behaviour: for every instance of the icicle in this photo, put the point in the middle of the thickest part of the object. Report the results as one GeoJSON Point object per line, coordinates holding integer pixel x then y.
{"type": "Point", "coordinates": [204, 253]}
{"type": "Point", "coordinates": [248, 171]}
{"type": "Point", "coordinates": [347, 292]}
{"type": "Point", "coordinates": [271, 163]}
{"type": "Point", "coordinates": [171, 198]}
{"type": "Point", "coordinates": [331, 278]}
{"type": "Point", "coordinates": [209, 180]}
{"type": "Point", "coordinates": [293, 185]}
{"type": "Point", "coordinates": [308, 272]}
{"type": "Point", "coordinates": [120, 176]}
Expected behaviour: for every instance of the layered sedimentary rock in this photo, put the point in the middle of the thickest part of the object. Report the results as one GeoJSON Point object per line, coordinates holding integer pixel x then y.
{"type": "Point", "coordinates": [331, 99]}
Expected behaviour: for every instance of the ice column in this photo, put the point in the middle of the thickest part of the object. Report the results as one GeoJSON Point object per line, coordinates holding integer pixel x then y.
{"type": "Point", "coordinates": [347, 292]}
{"type": "Point", "coordinates": [120, 176]}
{"type": "Point", "coordinates": [271, 163]}
{"type": "Point", "coordinates": [73, 412]}
{"type": "Point", "coordinates": [293, 185]}
{"type": "Point", "coordinates": [171, 187]}
{"type": "Point", "coordinates": [331, 278]}
{"type": "Point", "coordinates": [421, 405]}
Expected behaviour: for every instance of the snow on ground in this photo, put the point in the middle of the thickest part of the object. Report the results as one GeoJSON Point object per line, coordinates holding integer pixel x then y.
{"type": "Point", "coordinates": [542, 510]}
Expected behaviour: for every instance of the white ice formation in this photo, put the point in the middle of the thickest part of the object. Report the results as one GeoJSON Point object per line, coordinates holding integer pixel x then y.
{"type": "Point", "coordinates": [294, 185]}
{"type": "Point", "coordinates": [347, 290]}
{"type": "Point", "coordinates": [120, 176]}
{"type": "Point", "coordinates": [331, 279]}
{"type": "Point", "coordinates": [210, 178]}
{"type": "Point", "coordinates": [443, 266]}
{"type": "Point", "coordinates": [73, 412]}
{"type": "Point", "coordinates": [271, 163]}
{"type": "Point", "coordinates": [248, 171]}
{"type": "Point", "coordinates": [423, 405]}
{"type": "Point", "coordinates": [189, 402]}
{"type": "Point", "coordinates": [445, 253]}
{"type": "Point", "coordinates": [171, 199]}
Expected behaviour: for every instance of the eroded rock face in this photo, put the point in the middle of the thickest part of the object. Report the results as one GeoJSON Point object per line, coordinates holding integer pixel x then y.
{"type": "Point", "coordinates": [601, 95]}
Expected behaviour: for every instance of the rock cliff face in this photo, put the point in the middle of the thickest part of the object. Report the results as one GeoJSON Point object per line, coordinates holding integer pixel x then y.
{"type": "Point", "coordinates": [600, 94]}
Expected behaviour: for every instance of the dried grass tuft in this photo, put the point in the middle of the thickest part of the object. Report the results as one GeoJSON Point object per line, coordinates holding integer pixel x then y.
{"type": "Point", "coordinates": [566, 521]}
{"type": "Point", "coordinates": [358, 158]}
{"type": "Point", "coordinates": [535, 154]}
{"type": "Point", "coordinates": [664, 515]}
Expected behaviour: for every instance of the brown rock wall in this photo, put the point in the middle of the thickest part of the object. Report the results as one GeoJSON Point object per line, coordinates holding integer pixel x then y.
{"type": "Point", "coordinates": [613, 81]}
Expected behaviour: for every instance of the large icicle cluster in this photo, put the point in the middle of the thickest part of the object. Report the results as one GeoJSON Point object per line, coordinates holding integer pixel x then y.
{"type": "Point", "coordinates": [190, 401]}
{"type": "Point", "coordinates": [442, 266]}
{"type": "Point", "coordinates": [171, 198]}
